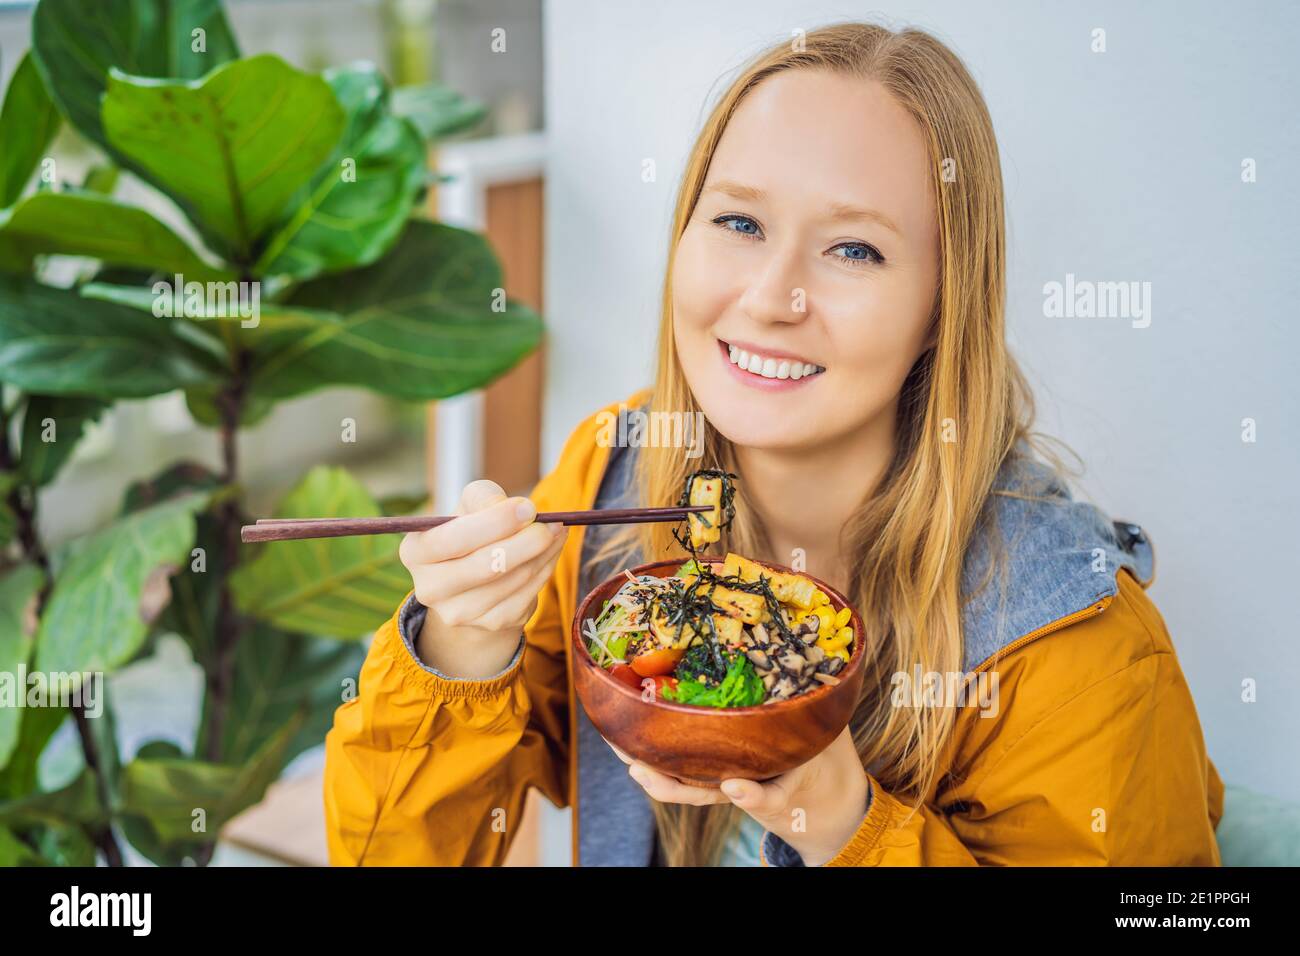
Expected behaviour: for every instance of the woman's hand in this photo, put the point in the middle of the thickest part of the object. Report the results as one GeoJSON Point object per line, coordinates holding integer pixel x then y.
{"type": "Point", "coordinates": [816, 807]}
{"type": "Point", "coordinates": [479, 577]}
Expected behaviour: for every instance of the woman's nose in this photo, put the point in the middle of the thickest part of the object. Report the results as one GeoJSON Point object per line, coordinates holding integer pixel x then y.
{"type": "Point", "coordinates": [775, 291]}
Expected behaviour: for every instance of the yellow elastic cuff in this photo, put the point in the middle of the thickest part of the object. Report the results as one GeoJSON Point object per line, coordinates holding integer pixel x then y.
{"type": "Point", "coordinates": [868, 833]}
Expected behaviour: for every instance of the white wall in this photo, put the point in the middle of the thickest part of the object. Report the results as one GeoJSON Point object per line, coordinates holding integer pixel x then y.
{"type": "Point", "coordinates": [1119, 166]}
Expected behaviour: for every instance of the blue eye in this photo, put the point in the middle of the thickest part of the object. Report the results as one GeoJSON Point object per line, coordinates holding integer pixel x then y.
{"type": "Point", "coordinates": [859, 252]}
{"type": "Point", "coordinates": [856, 253]}
{"type": "Point", "coordinates": [747, 226]}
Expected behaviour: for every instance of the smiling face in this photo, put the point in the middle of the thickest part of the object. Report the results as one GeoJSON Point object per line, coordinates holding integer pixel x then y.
{"type": "Point", "coordinates": [811, 259]}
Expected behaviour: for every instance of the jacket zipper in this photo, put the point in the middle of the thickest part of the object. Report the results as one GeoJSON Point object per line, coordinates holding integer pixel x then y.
{"type": "Point", "coordinates": [1079, 615]}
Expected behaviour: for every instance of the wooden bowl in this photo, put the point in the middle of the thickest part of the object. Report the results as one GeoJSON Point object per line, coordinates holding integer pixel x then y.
{"type": "Point", "coordinates": [703, 746]}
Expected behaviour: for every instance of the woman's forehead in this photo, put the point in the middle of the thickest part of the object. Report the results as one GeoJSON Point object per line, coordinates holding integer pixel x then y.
{"type": "Point", "coordinates": [816, 143]}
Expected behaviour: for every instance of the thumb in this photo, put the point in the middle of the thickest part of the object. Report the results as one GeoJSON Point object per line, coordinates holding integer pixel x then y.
{"type": "Point", "coordinates": [759, 800]}
{"type": "Point", "coordinates": [478, 495]}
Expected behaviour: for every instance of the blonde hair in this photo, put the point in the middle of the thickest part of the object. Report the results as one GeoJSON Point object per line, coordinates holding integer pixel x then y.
{"type": "Point", "coordinates": [907, 542]}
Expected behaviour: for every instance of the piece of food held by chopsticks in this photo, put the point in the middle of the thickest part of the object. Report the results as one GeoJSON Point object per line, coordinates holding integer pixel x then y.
{"type": "Point", "coordinates": [706, 489]}
{"type": "Point", "coordinates": [729, 634]}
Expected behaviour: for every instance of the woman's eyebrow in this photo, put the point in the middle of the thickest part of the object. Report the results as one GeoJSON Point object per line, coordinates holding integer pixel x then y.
{"type": "Point", "coordinates": [838, 211]}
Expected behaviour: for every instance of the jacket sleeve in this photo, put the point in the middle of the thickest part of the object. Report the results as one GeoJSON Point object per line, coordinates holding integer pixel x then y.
{"type": "Point", "coordinates": [1108, 771]}
{"type": "Point", "coordinates": [426, 769]}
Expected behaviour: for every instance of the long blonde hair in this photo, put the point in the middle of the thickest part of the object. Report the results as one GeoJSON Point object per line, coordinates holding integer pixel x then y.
{"type": "Point", "coordinates": [907, 542]}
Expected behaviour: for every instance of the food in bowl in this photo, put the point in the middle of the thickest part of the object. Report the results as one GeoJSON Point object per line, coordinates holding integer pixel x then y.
{"type": "Point", "coordinates": [703, 745]}
{"type": "Point", "coordinates": [729, 634]}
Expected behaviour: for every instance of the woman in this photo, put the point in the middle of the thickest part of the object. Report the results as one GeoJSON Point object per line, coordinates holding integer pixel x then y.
{"type": "Point", "coordinates": [834, 307]}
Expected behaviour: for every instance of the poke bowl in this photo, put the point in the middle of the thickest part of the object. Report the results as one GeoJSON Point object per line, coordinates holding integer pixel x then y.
{"type": "Point", "coordinates": [789, 689]}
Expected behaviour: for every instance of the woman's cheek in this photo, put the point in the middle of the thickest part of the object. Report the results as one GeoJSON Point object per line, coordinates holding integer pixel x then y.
{"type": "Point", "coordinates": [699, 297]}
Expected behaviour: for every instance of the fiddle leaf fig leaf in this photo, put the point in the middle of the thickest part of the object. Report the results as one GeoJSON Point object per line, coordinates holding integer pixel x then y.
{"type": "Point", "coordinates": [77, 42]}
{"type": "Point", "coordinates": [108, 590]}
{"type": "Point", "coordinates": [355, 206]}
{"type": "Point", "coordinates": [429, 320]}
{"type": "Point", "coordinates": [54, 342]}
{"type": "Point", "coordinates": [166, 790]}
{"type": "Point", "coordinates": [97, 227]}
{"type": "Point", "coordinates": [19, 587]}
{"type": "Point", "coordinates": [277, 676]}
{"type": "Point", "coordinates": [437, 111]}
{"type": "Point", "coordinates": [336, 587]}
{"type": "Point", "coordinates": [52, 426]}
{"type": "Point", "coordinates": [232, 148]}
{"type": "Point", "coordinates": [28, 122]}
{"type": "Point", "coordinates": [78, 802]}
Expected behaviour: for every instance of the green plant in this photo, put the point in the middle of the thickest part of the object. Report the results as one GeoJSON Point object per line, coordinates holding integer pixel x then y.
{"type": "Point", "coordinates": [300, 190]}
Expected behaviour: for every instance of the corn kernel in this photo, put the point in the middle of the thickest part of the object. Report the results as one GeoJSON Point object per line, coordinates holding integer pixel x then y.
{"type": "Point", "coordinates": [842, 618]}
{"type": "Point", "coordinates": [820, 597]}
{"type": "Point", "coordinates": [827, 619]}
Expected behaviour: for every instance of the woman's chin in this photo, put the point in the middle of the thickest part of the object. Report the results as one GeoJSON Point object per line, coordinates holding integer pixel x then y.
{"type": "Point", "coordinates": [747, 427]}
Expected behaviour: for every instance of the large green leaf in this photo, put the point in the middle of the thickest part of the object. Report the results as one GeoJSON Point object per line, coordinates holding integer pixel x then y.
{"type": "Point", "coordinates": [54, 342]}
{"type": "Point", "coordinates": [68, 845]}
{"type": "Point", "coordinates": [177, 479]}
{"type": "Point", "coordinates": [18, 591]}
{"type": "Point", "coordinates": [166, 789]}
{"type": "Point", "coordinates": [52, 426]}
{"type": "Point", "coordinates": [337, 587]}
{"type": "Point", "coordinates": [77, 42]}
{"type": "Point", "coordinates": [277, 676]}
{"type": "Point", "coordinates": [78, 802]}
{"type": "Point", "coordinates": [232, 148]}
{"type": "Point", "coordinates": [112, 587]}
{"type": "Point", "coordinates": [436, 110]}
{"type": "Point", "coordinates": [95, 226]}
{"type": "Point", "coordinates": [38, 725]}
{"type": "Point", "coordinates": [418, 325]}
{"type": "Point", "coordinates": [141, 832]}
{"type": "Point", "coordinates": [14, 852]}
{"type": "Point", "coordinates": [55, 845]}
{"type": "Point", "coordinates": [357, 203]}
{"type": "Point", "coordinates": [28, 121]}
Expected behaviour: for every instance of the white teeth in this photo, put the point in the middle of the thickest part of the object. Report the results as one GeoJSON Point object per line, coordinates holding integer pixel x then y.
{"type": "Point", "coordinates": [770, 367]}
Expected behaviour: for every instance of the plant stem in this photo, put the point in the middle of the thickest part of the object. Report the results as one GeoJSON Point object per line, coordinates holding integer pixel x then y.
{"type": "Point", "coordinates": [103, 836]}
{"type": "Point", "coordinates": [220, 671]}
{"type": "Point", "coordinates": [22, 502]}
{"type": "Point", "coordinates": [229, 626]}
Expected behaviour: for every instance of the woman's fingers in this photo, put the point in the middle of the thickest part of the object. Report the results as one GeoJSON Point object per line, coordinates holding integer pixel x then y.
{"type": "Point", "coordinates": [762, 801]}
{"type": "Point", "coordinates": [500, 591]}
{"type": "Point", "coordinates": [665, 789]}
{"type": "Point", "coordinates": [488, 517]}
{"type": "Point", "coordinates": [487, 565]}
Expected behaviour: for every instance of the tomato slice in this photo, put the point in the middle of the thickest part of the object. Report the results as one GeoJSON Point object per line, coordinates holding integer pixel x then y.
{"type": "Point", "coordinates": [661, 682]}
{"type": "Point", "coordinates": [625, 674]}
{"type": "Point", "coordinates": [656, 662]}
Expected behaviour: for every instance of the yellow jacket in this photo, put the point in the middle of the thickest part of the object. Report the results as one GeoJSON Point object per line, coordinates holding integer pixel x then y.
{"type": "Point", "coordinates": [1096, 756]}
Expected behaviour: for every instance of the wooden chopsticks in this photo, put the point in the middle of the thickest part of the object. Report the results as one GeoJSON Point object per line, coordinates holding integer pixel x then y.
{"type": "Point", "coordinates": [295, 529]}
